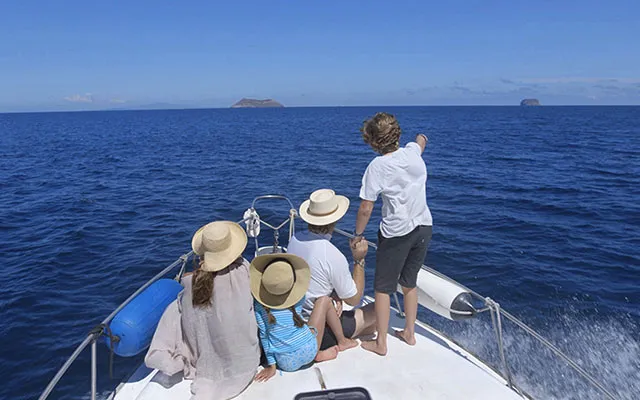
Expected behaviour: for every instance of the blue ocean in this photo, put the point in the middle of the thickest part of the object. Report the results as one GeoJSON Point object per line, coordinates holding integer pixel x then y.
{"type": "Point", "coordinates": [535, 207]}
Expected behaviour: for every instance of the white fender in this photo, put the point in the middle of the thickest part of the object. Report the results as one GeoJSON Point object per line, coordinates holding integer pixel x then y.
{"type": "Point", "coordinates": [442, 296]}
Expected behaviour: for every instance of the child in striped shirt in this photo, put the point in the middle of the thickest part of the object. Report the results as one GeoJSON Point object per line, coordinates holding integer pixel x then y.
{"type": "Point", "coordinates": [278, 284]}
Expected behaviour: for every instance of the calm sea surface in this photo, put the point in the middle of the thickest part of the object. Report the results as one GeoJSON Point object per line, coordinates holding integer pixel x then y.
{"type": "Point", "coordinates": [538, 208]}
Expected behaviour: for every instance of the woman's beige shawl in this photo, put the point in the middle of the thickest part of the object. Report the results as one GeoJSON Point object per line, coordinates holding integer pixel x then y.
{"type": "Point", "coordinates": [216, 346]}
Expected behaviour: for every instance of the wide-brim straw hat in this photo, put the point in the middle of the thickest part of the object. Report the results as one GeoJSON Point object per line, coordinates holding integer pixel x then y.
{"type": "Point", "coordinates": [280, 280]}
{"type": "Point", "coordinates": [220, 243]}
{"type": "Point", "coordinates": [323, 207]}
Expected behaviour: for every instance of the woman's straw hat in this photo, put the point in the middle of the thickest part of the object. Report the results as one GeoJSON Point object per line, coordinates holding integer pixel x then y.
{"type": "Point", "coordinates": [279, 280]}
{"type": "Point", "coordinates": [324, 207]}
{"type": "Point", "coordinates": [220, 243]}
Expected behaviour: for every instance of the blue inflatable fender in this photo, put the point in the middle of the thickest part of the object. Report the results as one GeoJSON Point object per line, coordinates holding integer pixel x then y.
{"type": "Point", "coordinates": [136, 323]}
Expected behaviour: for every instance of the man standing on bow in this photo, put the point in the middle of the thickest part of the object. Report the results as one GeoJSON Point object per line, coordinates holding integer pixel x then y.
{"type": "Point", "coordinates": [399, 176]}
{"type": "Point", "coordinates": [330, 275]}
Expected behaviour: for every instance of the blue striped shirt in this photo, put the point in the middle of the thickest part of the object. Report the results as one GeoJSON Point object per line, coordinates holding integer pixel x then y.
{"type": "Point", "coordinates": [283, 336]}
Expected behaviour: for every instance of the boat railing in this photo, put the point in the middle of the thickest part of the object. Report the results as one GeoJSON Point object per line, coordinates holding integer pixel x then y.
{"type": "Point", "coordinates": [94, 334]}
{"type": "Point", "coordinates": [99, 330]}
{"type": "Point", "coordinates": [489, 305]}
{"type": "Point", "coordinates": [496, 320]}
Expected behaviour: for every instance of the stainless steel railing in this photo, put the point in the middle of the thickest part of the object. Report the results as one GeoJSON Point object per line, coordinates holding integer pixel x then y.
{"type": "Point", "coordinates": [489, 305]}
{"type": "Point", "coordinates": [95, 333]}
{"type": "Point", "coordinates": [93, 336]}
{"type": "Point", "coordinates": [496, 319]}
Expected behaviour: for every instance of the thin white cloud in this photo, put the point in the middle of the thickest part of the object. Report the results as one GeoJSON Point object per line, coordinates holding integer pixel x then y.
{"type": "Point", "coordinates": [79, 98]}
{"type": "Point", "coordinates": [578, 80]}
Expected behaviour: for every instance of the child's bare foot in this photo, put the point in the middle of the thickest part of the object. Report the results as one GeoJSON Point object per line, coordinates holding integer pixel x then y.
{"type": "Point", "coordinates": [372, 345]}
{"type": "Point", "coordinates": [347, 344]}
{"type": "Point", "coordinates": [328, 354]}
{"type": "Point", "coordinates": [409, 339]}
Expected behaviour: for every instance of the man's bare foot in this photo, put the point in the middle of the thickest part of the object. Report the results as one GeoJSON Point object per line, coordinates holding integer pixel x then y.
{"type": "Point", "coordinates": [405, 337]}
{"type": "Point", "coordinates": [328, 354]}
{"type": "Point", "coordinates": [372, 346]}
{"type": "Point", "coordinates": [347, 344]}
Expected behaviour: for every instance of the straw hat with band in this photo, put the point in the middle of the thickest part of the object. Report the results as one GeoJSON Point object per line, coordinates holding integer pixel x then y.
{"type": "Point", "coordinates": [324, 207]}
{"type": "Point", "coordinates": [219, 243]}
{"type": "Point", "coordinates": [279, 281]}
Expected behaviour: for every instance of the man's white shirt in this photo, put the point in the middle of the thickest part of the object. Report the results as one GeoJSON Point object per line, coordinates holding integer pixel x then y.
{"type": "Point", "coordinates": [329, 268]}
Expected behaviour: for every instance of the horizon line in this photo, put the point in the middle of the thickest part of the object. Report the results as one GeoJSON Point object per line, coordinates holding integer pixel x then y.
{"type": "Point", "coordinates": [189, 108]}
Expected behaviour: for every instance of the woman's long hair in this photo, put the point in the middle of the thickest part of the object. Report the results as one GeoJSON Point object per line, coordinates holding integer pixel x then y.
{"type": "Point", "coordinates": [202, 287]}
{"type": "Point", "coordinates": [297, 319]}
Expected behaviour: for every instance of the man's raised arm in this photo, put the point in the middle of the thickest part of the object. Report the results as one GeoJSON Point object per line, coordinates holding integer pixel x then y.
{"type": "Point", "coordinates": [422, 140]}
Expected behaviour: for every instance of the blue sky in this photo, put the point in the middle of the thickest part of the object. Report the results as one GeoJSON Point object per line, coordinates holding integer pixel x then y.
{"type": "Point", "coordinates": [57, 55]}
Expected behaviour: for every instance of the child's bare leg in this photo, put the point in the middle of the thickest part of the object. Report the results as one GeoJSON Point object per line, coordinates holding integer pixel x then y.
{"type": "Point", "coordinates": [318, 319]}
{"type": "Point", "coordinates": [344, 343]}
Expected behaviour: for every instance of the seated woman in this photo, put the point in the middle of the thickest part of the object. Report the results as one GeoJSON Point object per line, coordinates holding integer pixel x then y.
{"type": "Point", "coordinates": [278, 284]}
{"type": "Point", "coordinates": [216, 331]}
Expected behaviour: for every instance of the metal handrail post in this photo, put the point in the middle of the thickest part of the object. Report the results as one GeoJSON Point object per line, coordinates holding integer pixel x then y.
{"type": "Point", "coordinates": [400, 309]}
{"type": "Point", "coordinates": [490, 305]}
{"type": "Point", "coordinates": [497, 324]}
{"type": "Point", "coordinates": [94, 372]}
{"type": "Point", "coordinates": [65, 367]}
{"type": "Point", "coordinates": [496, 320]}
{"type": "Point", "coordinates": [560, 354]}
{"type": "Point", "coordinates": [91, 337]}
{"type": "Point", "coordinates": [271, 196]}
{"type": "Point", "coordinates": [183, 268]}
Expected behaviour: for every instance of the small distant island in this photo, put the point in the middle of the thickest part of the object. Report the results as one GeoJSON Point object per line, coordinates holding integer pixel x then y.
{"type": "Point", "coordinates": [254, 103]}
{"type": "Point", "coordinates": [530, 102]}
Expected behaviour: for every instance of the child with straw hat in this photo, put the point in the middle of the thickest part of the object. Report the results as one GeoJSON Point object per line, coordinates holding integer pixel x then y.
{"type": "Point", "coordinates": [278, 284]}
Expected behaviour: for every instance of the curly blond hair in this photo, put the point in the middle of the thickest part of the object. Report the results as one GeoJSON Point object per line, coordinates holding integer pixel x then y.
{"type": "Point", "coordinates": [382, 133]}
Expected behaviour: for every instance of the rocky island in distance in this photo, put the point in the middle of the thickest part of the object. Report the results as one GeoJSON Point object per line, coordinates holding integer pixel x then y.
{"type": "Point", "coordinates": [530, 102]}
{"type": "Point", "coordinates": [255, 103]}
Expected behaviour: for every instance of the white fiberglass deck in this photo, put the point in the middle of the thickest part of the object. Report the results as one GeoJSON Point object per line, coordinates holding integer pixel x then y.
{"type": "Point", "coordinates": [435, 368]}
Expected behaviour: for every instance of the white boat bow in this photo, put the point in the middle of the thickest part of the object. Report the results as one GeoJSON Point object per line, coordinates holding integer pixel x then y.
{"type": "Point", "coordinates": [435, 368]}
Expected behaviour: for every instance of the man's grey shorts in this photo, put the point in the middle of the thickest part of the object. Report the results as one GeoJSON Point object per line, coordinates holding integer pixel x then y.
{"type": "Point", "coordinates": [399, 259]}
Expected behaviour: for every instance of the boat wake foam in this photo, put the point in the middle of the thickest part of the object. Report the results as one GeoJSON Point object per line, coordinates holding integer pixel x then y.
{"type": "Point", "coordinates": [608, 349]}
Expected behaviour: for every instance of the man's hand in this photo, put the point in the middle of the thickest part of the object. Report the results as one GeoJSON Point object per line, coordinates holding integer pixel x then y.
{"type": "Point", "coordinates": [354, 240]}
{"type": "Point", "coordinates": [359, 247]}
{"type": "Point", "coordinates": [422, 140]}
{"type": "Point", "coordinates": [266, 373]}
